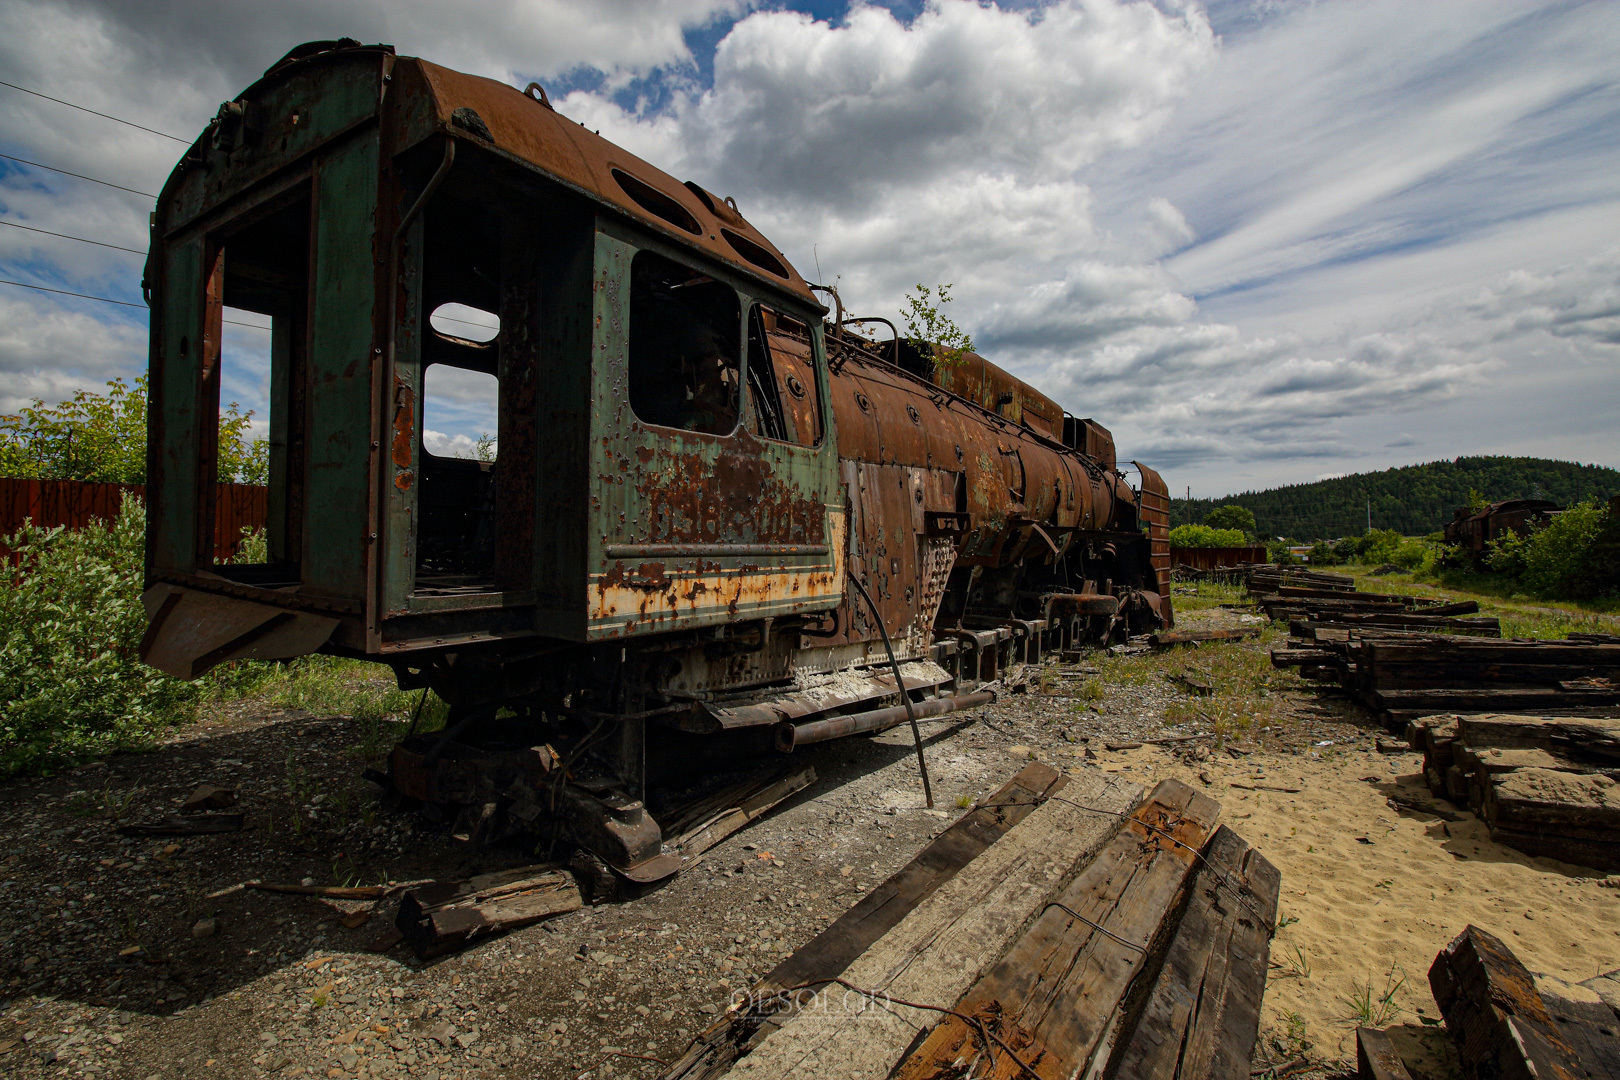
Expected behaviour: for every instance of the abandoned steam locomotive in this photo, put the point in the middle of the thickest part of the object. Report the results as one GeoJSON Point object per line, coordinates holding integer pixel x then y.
{"type": "Point", "coordinates": [706, 492]}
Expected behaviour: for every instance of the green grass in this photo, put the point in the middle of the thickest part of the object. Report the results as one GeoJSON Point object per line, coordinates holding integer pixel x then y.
{"type": "Point", "coordinates": [1369, 1008]}
{"type": "Point", "coordinates": [326, 686]}
{"type": "Point", "coordinates": [1203, 595]}
{"type": "Point", "coordinates": [1521, 615]}
{"type": "Point", "coordinates": [1247, 692]}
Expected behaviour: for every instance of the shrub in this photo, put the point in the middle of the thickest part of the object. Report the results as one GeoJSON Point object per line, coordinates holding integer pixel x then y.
{"type": "Point", "coordinates": [1277, 551]}
{"type": "Point", "coordinates": [1378, 547]}
{"type": "Point", "coordinates": [71, 681]}
{"type": "Point", "coordinates": [1202, 536]}
{"type": "Point", "coordinates": [1506, 554]}
{"type": "Point", "coordinates": [931, 331]}
{"type": "Point", "coordinates": [1602, 574]}
{"type": "Point", "coordinates": [1324, 553]}
{"type": "Point", "coordinates": [1557, 556]}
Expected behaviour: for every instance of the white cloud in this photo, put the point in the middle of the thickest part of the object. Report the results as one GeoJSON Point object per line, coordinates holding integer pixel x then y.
{"type": "Point", "coordinates": [1369, 233]}
{"type": "Point", "coordinates": [442, 445]}
{"type": "Point", "coordinates": [167, 66]}
{"type": "Point", "coordinates": [48, 350]}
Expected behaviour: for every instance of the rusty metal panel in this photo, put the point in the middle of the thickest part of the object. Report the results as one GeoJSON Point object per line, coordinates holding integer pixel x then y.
{"type": "Point", "coordinates": [190, 631]}
{"type": "Point", "coordinates": [826, 696]}
{"type": "Point", "coordinates": [401, 464]}
{"type": "Point", "coordinates": [529, 131]}
{"type": "Point", "coordinates": [76, 503]}
{"type": "Point", "coordinates": [289, 115]}
{"type": "Point", "coordinates": [1215, 557]}
{"type": "Point", "coordinates": [1155, 513]}
{"type": "Point", "coordinates": [690, 528]}
{"type": "Point", "coordinates": [902, 565]}
{"type": "Point", "coordinates": [993, 388]}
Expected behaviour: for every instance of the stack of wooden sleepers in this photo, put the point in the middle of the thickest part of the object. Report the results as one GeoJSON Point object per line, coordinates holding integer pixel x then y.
{"type": "Point", "coordinates": [1524, 732]}
{"type": "Point", "coordinates": [1546, 785]}
{"type": "Point", "coordinates": [1267, 577]}
{"type": "Point", "coordinates": [1403, 678]}
{"type": "Point", "coordinates": [1507, 1021]}
{"type": "Point", "coordinates": [1332, 599]}
{"type": "Point", "coordinates": [1416, 659]}
{"type": "Point", "coordinates": [1067, 926]}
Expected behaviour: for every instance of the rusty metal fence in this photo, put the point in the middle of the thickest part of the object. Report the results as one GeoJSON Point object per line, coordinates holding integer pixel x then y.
{"type": "Point", "coordinates": [1214, 558]}
{"type": "Point", "coordinates": [76, 503]}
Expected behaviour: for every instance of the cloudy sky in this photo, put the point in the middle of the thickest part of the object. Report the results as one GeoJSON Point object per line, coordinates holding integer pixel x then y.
{"type": "Point", "coordinates": [1262, 240]}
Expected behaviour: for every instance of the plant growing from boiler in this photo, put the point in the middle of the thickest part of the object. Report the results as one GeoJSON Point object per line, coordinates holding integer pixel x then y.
{"type": "Point", "coordinates": [930, 330]}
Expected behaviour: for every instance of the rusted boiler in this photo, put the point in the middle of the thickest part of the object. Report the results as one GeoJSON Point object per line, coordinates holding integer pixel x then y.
{"type": "Point", "coordinates": [717, 521]}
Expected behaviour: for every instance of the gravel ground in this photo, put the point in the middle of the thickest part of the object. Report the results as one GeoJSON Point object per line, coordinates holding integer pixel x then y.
{"type": "Point", "coordinates": [103, 974]}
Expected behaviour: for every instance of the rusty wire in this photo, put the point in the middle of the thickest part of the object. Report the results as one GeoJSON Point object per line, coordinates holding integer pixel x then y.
{"type": "Point", "coordinates": [1236, 889]}
{"type": "Point", "coordinates": [618, 1053]}
{"type": "Point", "coordinates": [900, 684]}
{"type": "Point", "coordinates": [1099, 927]}
{"type": "Point", "coordinates": [972, 1022]}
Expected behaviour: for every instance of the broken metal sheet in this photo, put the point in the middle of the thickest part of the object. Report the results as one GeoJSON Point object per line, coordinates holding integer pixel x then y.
{"type": "Point", "coordinates": [752, 801]}
{"type": "Point", "coordinates": [190, 631]}
{"type": "Point", "coordinates": [838, 692]}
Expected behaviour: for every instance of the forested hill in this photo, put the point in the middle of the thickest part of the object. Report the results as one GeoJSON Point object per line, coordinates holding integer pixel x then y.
{"type": "Point", "coordinates": [1413, 499]}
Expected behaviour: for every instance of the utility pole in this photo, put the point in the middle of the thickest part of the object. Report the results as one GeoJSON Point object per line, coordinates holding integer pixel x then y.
{"type": "Point", "coordinates": [1369, 515]}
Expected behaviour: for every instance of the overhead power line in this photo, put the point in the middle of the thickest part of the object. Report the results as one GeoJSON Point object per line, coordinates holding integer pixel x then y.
{"type": "Point", "coordinates": [93, 112]}
{"type": "Point", "coordinates": [65, 292]}
{"type": "Point", "coordinates": [80, 239]}
{"type": "Point", "coordinates": [137, 251]}
{"type": "Point", "coordinates": [78, 176]}
{"type": "Point", "coordinates": [110, 300]}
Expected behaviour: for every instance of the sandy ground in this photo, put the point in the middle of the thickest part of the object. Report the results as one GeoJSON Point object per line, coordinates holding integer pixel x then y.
{"type": "Point", "coordinates": [1371, 892]}
{"type": "Point", "coordinates": [1370, 895]}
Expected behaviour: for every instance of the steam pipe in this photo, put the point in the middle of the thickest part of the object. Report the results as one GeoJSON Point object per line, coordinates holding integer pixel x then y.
{"type": "Point", "coordinates": [790, 735]}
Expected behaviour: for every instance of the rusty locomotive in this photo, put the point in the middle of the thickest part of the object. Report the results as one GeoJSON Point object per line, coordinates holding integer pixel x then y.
{"type": "Point", "coordinates": [1475, 530]}
{"type": "Point", "coordinates": [719, 522]}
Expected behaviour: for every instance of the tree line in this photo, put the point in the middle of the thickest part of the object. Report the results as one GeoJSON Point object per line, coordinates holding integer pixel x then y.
{"type": "Point", "coordinates": [1413, 500]}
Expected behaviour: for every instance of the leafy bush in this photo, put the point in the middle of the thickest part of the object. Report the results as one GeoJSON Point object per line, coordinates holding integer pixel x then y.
{"type": "Point", "coordinates": [1575, 556]}
{"type": "Point", "coordinates": [71, 681]}
{"type": "Point", "coordinates": [102, 437]}
{"type": "Point", "coordinates": [1202, 536]}
{"type": "Point", "coordinates": [1507, 554]}
{"type": "Point", "coordinates": [1413, 555]}
{"type": "Point", "coordinates": [1322, 554]}
{"type": "Point", "coordinates": [1277, 551]}
{"type": "Point", "coordinates": [1378, 547]}
{"type": "Point", "coordinates": [1602, 574]}
{"type": "Point", "coordinates": [1557, 555]}
{"type": "Point", "coordinates": [1240, 518]}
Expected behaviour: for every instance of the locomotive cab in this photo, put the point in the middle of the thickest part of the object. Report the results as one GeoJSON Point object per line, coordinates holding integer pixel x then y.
{"type": "Point", "coordinates": [656, 465]}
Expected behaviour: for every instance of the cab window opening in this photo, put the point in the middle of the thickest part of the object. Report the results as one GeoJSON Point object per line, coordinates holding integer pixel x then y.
{"type": "Point", "coordinates": [763, 392]}
{"type": "Point", "coordinates": [460, 399]}
{"type": "Point", "coordinates": [784, 403]}
{"type": "Point", "coordinates": [257, 309]}
{"type": "Point", "coordinates": [683, 350]}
